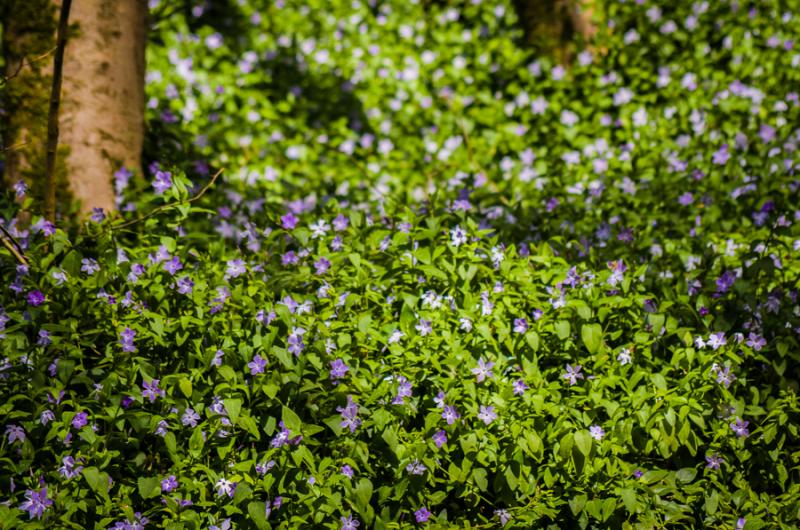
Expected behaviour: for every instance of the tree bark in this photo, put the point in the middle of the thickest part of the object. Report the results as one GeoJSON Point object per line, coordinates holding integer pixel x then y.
{"type": "Point", "coordinates": [28, 42]}
{"type": "Point", "coordinates": [551, 26]}
{"type": "Point", "coordinates": [103, 110]}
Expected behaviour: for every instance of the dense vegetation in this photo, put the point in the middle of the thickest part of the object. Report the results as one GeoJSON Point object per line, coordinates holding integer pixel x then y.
{"type": "Point", "coordinates": [439, 282]}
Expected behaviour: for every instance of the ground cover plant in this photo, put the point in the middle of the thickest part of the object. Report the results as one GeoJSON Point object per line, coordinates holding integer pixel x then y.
{"type": "Point", "coordinates": [388, 269]}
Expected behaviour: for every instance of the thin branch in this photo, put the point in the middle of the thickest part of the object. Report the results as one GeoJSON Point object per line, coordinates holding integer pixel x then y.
{"type": "Point", "coordinates": [171, 205]}
{"type": "Point", "coordinates": [23, 64]}
{"type": "Point", "coordinates": [11, 244]}
{"type": "Point", "coordinates": [52, 119]}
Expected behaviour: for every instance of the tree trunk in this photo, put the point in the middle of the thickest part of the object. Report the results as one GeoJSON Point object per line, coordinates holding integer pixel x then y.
{"type": "Point", "coordinates": [102, 109]}
{"type": "Point", "coordinates": [102, 120]}
{"type": "Point", "coordinates": [551, 26]}
{"type": "Point", "coordinates": [28, 42]}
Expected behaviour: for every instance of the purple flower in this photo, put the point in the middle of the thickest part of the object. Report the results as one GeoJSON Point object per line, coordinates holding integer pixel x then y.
{"type": "Point", "coordinates": [349, 415]}
{"type": "Point", "coordinates": [721, 156]}
{"type": "Point", "coordinates": [597, 432]}
{"type": "Point", "coordinates": [483, 370]}
{"type": "Point", "coordinates": [503, 515]}
{"type": "Point", "coordinates": [725, 377]}
{"type": "Point", "coordinates": [338, 369]}
{"type": "Point", "coordinates": [80, 420]}
{"type": "Point", "coordinates": [740, 523]}
{"type": "Point", "coordinates": [89, 266]}
{"type": "Point", "coordinates": [173, 265]}
{"type": "Point", "coordinates": [713, 461]}
{"type": "Point", "coordinates": [288, 221]}
{"type": "Point", "coordinates": [36, 503]}
{"type": "Point", "coordinates": [415, 467]}
{"type": "Point", "coordinates": [35, 298]}
{"type": "Point", "coordinates": [340, 223]}
{"type": "Point", "coordinates": [487, 414]}
{"type": "Point", "coordinates": [20, 188]}
{"type": "Point", "coordinates": [347, 471]}
{"type": "Point", "coordinates": [190, 418]}
{"type": "Point", "coordinates": [151, 391]}
{"type": "Point", "coordinates": [520, 325]}
{"type": "Point", "coordinates": [424, 327]}
{"type": "Point", "coordinates": [519, 387]}
{"type": "Point", "coordinates": [14, 433]}
{"type": "Point", "coordinates": [348, 523]}
{"type": "Point", "coordinates": [295, 340]}
{"type": "Point", "coordinates": [126, 340]}
{"type": "Point", "coordinates": [184, 285]}
{"type": "Point", "coordinates": [162, 181]}
{"type": "Point", "coordinates": [225, 487]}
{"type": "Point", "coordinates": [439, 438]}
{"type": "Point", "coordinates": [756, 341]}
{"type": "Point", "coordinates": [450, 414]}
{"type": "Point", "coordinates": [422, 515]}
{"type": "Point", "coordinates": [44, 339]}
{"type": "Point", "coordinates": [638, 473]}
{"type": "Point", "coordinates": [257, 365]}
{"type": "Point", "coordinates": [68, 469]}
{"type": "Point", "coordinates": [740, 427]}
{"type": "Point", "coordinates": [97, 215]}
{"type": "Point", "coordinates": [404, 390]}
{"type": "Point", "coordinates": [717, 340]}
{"type": "Point", "coordinates": [169, 484]}
{"type": "Point", "coordinates": [322, 265]}
{"type": "Point", "coordinates": [573, 374]}
{"type": "Point", "coordinates": [686, 199]}
{"type": "Point", "coordinates": [235, 268]}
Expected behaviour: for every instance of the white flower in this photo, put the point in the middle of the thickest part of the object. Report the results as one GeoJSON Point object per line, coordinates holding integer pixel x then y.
{"type": "Point", "coordinates": [458, 236]}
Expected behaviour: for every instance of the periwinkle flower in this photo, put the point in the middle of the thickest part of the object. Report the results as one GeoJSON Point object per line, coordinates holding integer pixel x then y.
{"type": "Point", "coordinates": [713, 461]}
{"type": "Point", "coordinates": [520, 325]}
{"type": "Point", "coordinates": [162, 181]}
{"type": "Point", "coordinates": [80, 420]}
{"type": "Point", "coordinates": [349, 523]}
{"type": "Point", "coordinates": [519, 387]}
{"type": "Point", "coordinates": [483, 370]}
{"type": "Point", "coordinates": [15, 433]}
{"type": "Point", "coordinates": [35, 298]}
{"type": "Point", "coordinates": [225, 487]}
{"type": "Point", "coordinates": [596, 432]}
{"type": "Point", "coordinates": [169, 484]}
{"type": "Point", "coordinates": [151, 391]}
{"type": "Point", "coordinates": [573, 374]}
{"type": "Point", "coordinates": [36, 503]}
{"type": "Point", "coordinates": [487, 414]}
{"type": "Point", "coordinates": [349, 415]}
{"type": "Point", "coordinates": [503, 515]}
{"type": "Point", "coordinates": [450, 414]}
{"type": "Point", "coordinates": [126, 340]}
{"type": "Point", "coordinates": [439, 438]}
{"type": "Point", "coordinates": [739, 427]}
{"type": "Point", "coordinates": [257, 365]}
{"type": "Point", "coordinates": [422, 515]}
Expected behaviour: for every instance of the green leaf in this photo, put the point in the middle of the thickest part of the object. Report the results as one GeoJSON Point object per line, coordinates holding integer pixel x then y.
{"type": "Point", "coordinates": [98, 481]}
{"type": "Point", "coordinates": [291, 420]}
{"type": "Point", "coordinates": [186, 387]}
{"type": "Point", "coordinates": [686, 474]}
{"type": "Point", "coordinates": [583, 441]}
{"type": "Point", "coordinates": [628, 497]}
{"type": "Point", "coordinates": [577, 503]}
{"type": "Point", "coordinates": [196, 443]}
{"type": "Point", "coordinates": [149, 487]}
{"type": "Point", "coordinates": [592, 336]}
{"type": "Point", "coordinates": [533, 340]}
{"type": "Point", "coordinates": [258, 514]}
{"type": "Point", "coordinates": [363, 493]}
{"type": "Point", "coordinates": [233, 406]}
{"type": "Point", "coordinates": [479, 476]}
{"type": "Point", "coordinates": [562, 329]}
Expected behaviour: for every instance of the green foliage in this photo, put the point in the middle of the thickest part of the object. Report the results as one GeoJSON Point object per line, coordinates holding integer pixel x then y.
{"type": "Point", "coordinates": [427, 288]}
